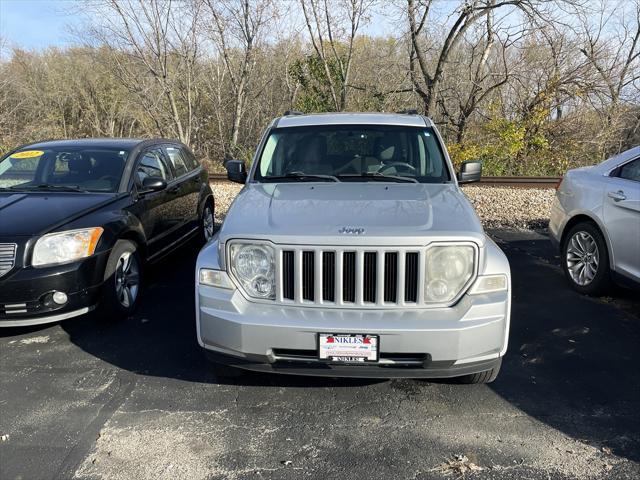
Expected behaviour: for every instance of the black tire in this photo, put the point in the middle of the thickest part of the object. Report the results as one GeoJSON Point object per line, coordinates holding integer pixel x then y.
{"type": "Point", "coordinates": [225, 371]}
{"type": "Point", "coordinates": [205, 232]}
{"type": "Point", "coordinates": [113, 307]}
{"type": "Point", "coordinates": [487, 376]}
{"type": "Point", "coordinates": [220, 369]}
{"type": "Point", "coordinates": [601, 281]}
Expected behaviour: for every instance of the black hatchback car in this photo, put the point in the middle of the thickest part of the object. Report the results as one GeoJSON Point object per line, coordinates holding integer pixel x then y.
{"type": "Point", "coordinates": [79, 219]}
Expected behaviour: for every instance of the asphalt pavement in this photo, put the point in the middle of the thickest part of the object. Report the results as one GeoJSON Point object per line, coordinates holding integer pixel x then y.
{"type": "Point", "coordinates": [91, 399]}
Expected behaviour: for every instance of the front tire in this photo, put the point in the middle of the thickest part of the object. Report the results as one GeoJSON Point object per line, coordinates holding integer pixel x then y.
{"type": "Point", "coordinates": [585, 259]}
{"type": "Point", "coordinates": [487, 376]}
{"type": "Point", "coordinates": [122, 281]}
{"type": "Point", "coordinates": [220, 370]}
{"type": "Point", "coordinates": [207, 222]}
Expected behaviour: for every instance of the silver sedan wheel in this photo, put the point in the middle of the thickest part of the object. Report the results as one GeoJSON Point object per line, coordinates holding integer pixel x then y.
{"type": "Point", "coordinates": [582, 258]}
{"type": "Point", "coordinates": [207, 223]}
{"type": "Point", "coordinates": [127, 279]}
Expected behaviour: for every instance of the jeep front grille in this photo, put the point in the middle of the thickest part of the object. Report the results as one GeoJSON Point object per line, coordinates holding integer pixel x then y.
{"type": "Point", "coordinates": [350, 276]}
{"type": "Point", "coordinates": [7, 257]}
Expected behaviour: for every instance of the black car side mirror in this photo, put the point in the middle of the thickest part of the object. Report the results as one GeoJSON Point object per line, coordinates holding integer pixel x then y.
{"type": "Point", "coordinates": [153, 184]}
{"type": "Point", "coordinates": [470, 171]}
{"type": "Point", "coordinates": [236, 171]}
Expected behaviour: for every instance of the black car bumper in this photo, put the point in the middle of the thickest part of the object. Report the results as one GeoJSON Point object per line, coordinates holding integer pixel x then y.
{"type": "Point", "coordinates": [427, 369]}
{"type": "Point", "coordinates": [26, 293]}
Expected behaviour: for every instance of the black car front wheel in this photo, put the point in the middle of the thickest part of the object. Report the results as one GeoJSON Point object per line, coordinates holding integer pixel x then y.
{"type": "Point", "coordinates": [207, 222]}
{"type": "Point", "coordinates": [122, 280]}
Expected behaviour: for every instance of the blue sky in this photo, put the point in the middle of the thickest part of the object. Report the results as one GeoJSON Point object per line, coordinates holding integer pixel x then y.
{"type": "Point", "coordinates": [36, 24]}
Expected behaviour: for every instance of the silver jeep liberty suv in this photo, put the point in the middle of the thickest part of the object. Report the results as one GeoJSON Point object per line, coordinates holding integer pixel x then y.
{"type": "Point", "coordinates": [352, 252]}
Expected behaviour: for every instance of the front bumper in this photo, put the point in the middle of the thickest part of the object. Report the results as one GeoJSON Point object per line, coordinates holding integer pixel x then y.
{"type": "Point", "coordinates": [25, 292]}
{"type": "Point", "coordinates": [469, 337]}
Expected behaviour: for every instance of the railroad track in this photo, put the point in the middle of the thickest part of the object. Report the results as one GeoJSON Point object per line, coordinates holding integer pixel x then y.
{"type": "Point", "coordinates": [522, 182]}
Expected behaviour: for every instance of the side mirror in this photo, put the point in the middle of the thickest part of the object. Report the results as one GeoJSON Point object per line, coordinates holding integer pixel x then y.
{"type": "Point", "coordinates": [236, 171]}
{"type": "Point", "coordinates": [153, 184]}
{"type": "Point", "coordinates": [470, 171]}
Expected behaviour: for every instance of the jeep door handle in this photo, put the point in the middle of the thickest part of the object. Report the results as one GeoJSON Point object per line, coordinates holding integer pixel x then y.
{"type": "Point", "coordinates": [617, 196]}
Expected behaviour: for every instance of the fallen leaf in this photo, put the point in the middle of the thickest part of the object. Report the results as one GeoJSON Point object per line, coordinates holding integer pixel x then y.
{"type": "Point", "coordinates": [458, 464]}
{"type": "Point", "coordinates": [606, 450]}
{"type": "Point", "coordinates": [40, 339]}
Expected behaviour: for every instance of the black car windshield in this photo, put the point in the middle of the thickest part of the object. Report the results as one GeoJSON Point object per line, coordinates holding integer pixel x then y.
{"type": "Point", "coordinates": [352, 153]}
{"type": "Point", "coordinates": [69, 169]}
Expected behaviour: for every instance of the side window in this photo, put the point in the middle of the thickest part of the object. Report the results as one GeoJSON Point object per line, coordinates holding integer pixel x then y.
{"type": "Point", "coordinates": [152, 165]}
{"type": "Point", "coordinates": [177, 160]}
{"type": "Point", "coordinates": [630, 170]}
{"type": "Point", "coordinates": [192, 163]}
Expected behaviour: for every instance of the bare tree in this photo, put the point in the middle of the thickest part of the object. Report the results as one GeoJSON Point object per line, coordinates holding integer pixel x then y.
{"type": "Point", "coordinates": [332, 27]}
{"type": "Point", "coordinates": [533, 92]}
{"type": "Point", "coordinates": [617, 62]}
{"type": "Point", "coordinates": [480, 68]}
{"type": "Point", "coordinates": [425, 78]}
{"type": "Point", "coordinates": [159, 37]}
{"type": "Point", "coordinates": [237, 29]}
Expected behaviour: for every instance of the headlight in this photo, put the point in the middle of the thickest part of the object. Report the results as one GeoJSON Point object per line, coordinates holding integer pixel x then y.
{"type": "Point", "coordinates": [448, 270]}
{"type": "Point", "coordinates": [63, 247]}
{"type": "Point", "coordinates": [253, 265]}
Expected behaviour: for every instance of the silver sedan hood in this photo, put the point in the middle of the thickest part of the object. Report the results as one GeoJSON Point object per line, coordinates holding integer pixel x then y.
{"type": "Point", "coordinates": [350, 213]}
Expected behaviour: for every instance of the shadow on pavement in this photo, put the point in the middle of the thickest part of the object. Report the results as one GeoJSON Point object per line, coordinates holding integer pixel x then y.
{"type": "Point", "coordinates": [572, 361]}
{"type": "Point", "coordinates": [160, 339]}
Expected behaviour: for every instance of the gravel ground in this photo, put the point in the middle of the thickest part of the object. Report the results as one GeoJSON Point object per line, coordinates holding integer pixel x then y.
{"type": "Point", "coordinates": [509, 207]}
{"type": "Point", "coordinates": [498, 207]}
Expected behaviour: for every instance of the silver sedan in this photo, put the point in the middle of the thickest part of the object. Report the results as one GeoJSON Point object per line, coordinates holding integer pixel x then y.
{"type": "Point", "coordinates": [595, 220]}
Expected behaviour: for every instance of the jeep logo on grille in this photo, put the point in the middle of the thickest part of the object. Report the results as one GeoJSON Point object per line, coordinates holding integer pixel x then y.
{"type": "Point", "coordinates": [351, 231]}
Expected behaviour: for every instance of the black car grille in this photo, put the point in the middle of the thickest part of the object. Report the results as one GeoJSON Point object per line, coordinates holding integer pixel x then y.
{"type": "Point", "coordinates": [7, 257]}
{"type": "Point", "coordinates": [10, 310]}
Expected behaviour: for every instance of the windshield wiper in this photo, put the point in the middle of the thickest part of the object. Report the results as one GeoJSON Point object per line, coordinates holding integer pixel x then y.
{"type": "Point", "coordinates": [302, 176]}
{"type": "Point", "coordinates": [49, 187]}
{"type": "Point", "coordinates": [376, 176]}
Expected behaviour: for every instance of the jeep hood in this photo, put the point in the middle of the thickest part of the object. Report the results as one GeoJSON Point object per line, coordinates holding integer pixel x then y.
{"type": "Point", "coordinates": [314, 213]}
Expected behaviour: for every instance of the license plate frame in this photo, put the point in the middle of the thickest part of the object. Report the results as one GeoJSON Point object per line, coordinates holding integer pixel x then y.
{"type": "Point", "coordinates": [352, 357]}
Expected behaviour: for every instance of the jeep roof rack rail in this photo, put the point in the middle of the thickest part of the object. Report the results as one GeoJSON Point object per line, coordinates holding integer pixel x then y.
{"type": "Point", "coordinates": [408, 111]}
{"type": "Point", "coordinates": [292, 112]}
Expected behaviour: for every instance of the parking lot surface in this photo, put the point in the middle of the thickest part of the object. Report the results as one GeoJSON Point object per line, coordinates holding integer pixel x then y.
{"type": "Point", "coordinates": [91, 399]}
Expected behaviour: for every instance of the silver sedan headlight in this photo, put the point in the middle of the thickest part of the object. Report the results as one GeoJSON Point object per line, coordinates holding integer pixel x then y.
{"type": "Point", "coordinates": [448, 270]}
{"type": "Point", "coordinates": [253, 266]}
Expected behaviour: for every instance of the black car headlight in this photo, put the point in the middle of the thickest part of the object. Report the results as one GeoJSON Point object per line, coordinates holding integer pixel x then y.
{"type": "Point", "coordinates": [64, 247]}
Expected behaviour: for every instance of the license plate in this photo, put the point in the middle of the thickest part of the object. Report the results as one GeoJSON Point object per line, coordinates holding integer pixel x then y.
{"type": "Point", "coordinates": [348, 348]}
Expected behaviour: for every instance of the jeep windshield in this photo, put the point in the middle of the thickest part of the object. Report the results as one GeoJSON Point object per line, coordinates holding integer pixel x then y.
{"type": "Point", "coordinates": [352, 153]}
